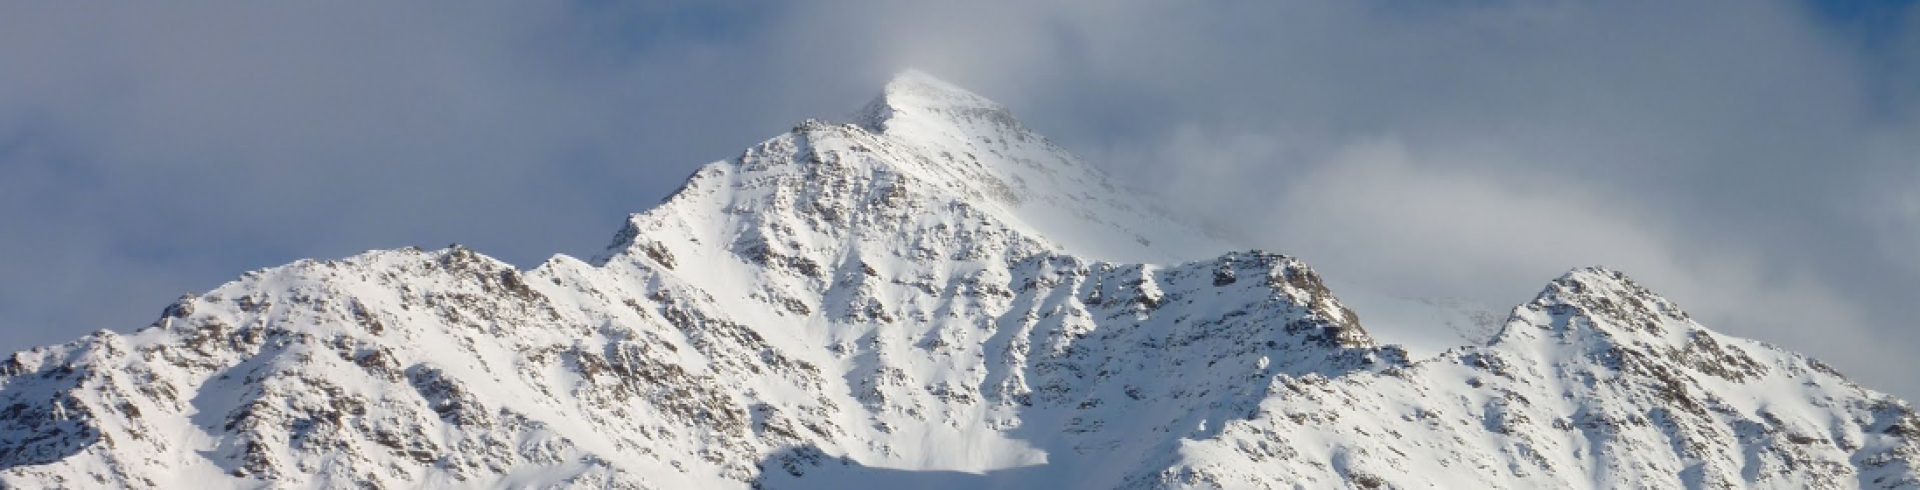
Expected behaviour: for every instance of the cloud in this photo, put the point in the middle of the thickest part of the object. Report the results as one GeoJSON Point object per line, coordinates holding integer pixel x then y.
{"type": "Point", "coordinates": [146, 148]}
{"type": "Point", "coordinates": [1753, 166]}
{"type": "Point", "coordinates": [1383, 220]}
{"type": "Point", "coordinates": [1752, 160]}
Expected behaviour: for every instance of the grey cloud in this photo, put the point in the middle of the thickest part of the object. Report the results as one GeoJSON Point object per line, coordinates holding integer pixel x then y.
{"type": "Point", "coordinates": [1748, 160]}
{"type": "Point", "coordinates": [1707, 157]}
{"type": "Point", "coordinates": [1753, 160]}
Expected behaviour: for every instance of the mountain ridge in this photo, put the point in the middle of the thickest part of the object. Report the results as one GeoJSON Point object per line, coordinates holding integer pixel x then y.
{"type": "Point", "coordinates": [927, 294]}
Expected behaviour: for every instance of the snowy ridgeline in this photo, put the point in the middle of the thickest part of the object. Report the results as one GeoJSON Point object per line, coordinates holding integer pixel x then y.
{"type": "Point", "coordinates": [926, 296]}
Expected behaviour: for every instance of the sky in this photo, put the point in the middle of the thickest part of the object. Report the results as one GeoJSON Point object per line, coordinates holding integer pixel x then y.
{"type": "Point", "coordinates": [1758, 162]}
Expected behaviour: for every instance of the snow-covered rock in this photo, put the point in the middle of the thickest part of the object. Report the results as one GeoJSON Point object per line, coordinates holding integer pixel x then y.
{"type": "Point", "coordinates": [927, 295]}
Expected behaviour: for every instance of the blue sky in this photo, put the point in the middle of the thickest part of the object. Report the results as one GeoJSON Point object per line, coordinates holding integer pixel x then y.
{"type": "Point", "coordinates": [1759, 162]}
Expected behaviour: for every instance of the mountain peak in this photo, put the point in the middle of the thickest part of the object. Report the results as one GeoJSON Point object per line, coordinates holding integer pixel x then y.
{"type": "Point", "coordinates": [939, 299]}
{"type": "Point", "coordinates": [1605, 304]}
{"type": "Point", "coordinates": [915, 95]}
{"type": "Point", "coordinates": [1610, 293]}
{"type": "Point", "coordinates": [922, 145]}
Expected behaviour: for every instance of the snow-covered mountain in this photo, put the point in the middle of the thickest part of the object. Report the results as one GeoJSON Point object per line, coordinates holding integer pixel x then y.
{"type": "Point", "coordinates": [927, 295]}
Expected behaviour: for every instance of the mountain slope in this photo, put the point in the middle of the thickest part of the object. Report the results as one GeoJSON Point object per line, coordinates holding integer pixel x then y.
{"type": "Point", "coordinates": [1596, 383]}
{"type": "Point", "coordinates": [931, 295]}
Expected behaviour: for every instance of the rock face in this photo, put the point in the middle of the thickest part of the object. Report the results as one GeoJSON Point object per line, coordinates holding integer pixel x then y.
{"type": "Point", "coordinates": [928, 295]}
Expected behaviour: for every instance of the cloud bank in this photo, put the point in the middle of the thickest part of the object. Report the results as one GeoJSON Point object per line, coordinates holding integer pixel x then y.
{"type": "Point", "coordinates": [1758, 162]}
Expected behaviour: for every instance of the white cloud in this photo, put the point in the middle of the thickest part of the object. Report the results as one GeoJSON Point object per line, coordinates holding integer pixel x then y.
{"type": "Point", "coordinates": [1384, 219]}
{"type": "Point", "coordinates": [1744, 158]}
{"type": "Point", "coordinates": [1379, 214]}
